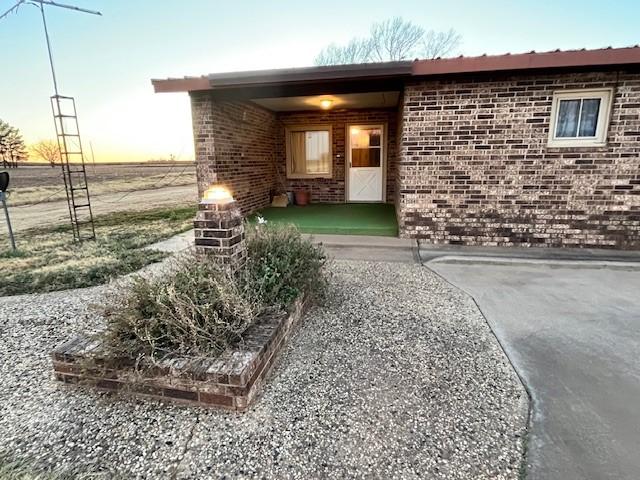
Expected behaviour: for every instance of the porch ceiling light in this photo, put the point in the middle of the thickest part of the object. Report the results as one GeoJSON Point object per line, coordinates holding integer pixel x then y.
{"type": "Point", "coordinates": [326, 104]}
{"type": "Point", "coordinates": [217, 194]}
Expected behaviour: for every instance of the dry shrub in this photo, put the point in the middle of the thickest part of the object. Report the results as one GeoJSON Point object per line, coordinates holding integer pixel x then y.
{"type": "Point", "coordinates": [282, 264]}
{"type": "Point", "coordinates": [200, 309]}
{"type": "Point", "coordinates": [197, 310]}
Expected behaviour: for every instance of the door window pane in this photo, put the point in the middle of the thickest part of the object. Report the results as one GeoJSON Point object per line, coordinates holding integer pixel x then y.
{"type": "Point", "coordinates": [568, 113]}
{"type": "Point", "coordinates": [589, 117]}
{"type": "Point", "coordinates": [374, 138]}
{"type": "Point", "coordinates": [365, 157]}
{"type": "Point", "coordinates": [366, 147]}
{"type": "Point", "coordinates": [365, 137]}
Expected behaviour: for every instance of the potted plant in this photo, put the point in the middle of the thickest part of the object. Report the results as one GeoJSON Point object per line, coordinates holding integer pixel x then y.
{"type": "Point", "coordinates": [302, 197]}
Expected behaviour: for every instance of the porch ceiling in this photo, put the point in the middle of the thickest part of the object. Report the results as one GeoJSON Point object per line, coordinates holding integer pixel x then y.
{"type": "Point", "coordinates": [338, 101]}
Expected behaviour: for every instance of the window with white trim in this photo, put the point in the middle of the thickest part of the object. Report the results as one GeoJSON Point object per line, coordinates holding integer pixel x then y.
{"type": "Point", "coordinates": [580, 118]}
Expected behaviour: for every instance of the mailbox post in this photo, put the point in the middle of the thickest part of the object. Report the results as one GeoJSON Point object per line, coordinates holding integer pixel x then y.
{"type": "Point", "coordinates": [4, 184]}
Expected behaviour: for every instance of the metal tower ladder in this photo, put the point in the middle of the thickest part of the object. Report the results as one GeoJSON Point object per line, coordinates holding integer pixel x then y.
{"type": "Point", "coordinates": [73, 167]}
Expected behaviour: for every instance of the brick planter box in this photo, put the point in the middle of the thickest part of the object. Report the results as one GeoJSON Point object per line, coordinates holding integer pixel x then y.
{"type": "Point", "coordinates": [231, 381]}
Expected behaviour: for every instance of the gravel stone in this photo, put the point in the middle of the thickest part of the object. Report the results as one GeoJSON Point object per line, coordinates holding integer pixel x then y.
{"type": "Point", "coordinates": [396, 376]}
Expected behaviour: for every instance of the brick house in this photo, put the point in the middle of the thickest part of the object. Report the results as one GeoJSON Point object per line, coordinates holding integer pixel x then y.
{"type": "Point", "coordinates": [535, 149]}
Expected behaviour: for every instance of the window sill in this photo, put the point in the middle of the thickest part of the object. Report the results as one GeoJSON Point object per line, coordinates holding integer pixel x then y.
{"type": "Point", "coordinates": [576, 144]}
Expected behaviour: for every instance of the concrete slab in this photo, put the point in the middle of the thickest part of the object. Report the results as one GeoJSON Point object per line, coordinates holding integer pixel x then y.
{"type": "Point", "coordinates": [569, 263]}
{"type": "Point", "coordinates": [573, 334]}
{"type": "Point", "coordinates": [175, 244]}
{"type": "Point", "coordinates": [365, 247]}
{"type": "Point", "coordinates": [363, 241]}
{"type": "Point", "coordinates": [366, 253]}
{"type": "Point", "coordinates": [339, 247]}
{"type": "Point", "coordinates": [429, 252]}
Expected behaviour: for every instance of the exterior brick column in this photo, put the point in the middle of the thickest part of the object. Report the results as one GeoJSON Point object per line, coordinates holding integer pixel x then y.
{"type": "Point", "coordinates": [219, 232]}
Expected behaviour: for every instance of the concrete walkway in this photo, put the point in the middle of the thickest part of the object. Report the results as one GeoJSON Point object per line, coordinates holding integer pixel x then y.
{"type": "Point", "coordinates": [394, 249]}
{"type": "Point", "coordinates": [363, 247]}
{"type": "Point", "coordinates": [573, 334]}
{"type": "Point", "coordinates": [339, 247]}
{"type": "Point", "coordinates": [175, 244]}
{"type": "Point", "coordinates": [455, 252]}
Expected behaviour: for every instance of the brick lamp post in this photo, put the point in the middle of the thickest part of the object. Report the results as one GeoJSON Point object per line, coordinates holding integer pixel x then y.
{"type": "Point", "coordinates": [219, 228]}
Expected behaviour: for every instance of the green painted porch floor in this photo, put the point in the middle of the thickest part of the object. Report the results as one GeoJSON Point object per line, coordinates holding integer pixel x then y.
{"type": "Point", "coordinates": [337, 218]}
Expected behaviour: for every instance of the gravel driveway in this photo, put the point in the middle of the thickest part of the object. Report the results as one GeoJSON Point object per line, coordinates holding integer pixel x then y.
{"type": "Point", "coordinates": [398, 376]}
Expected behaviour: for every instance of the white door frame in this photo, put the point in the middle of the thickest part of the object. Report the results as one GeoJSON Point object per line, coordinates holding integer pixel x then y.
{"type": "Point", "coordinates": [383, 159]}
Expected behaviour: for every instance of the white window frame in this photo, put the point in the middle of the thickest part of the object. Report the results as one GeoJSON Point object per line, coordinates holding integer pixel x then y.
{"type": "Point", "coordinates": [308, 128]}
{"type": "Point", "coordinates": [600, 139]}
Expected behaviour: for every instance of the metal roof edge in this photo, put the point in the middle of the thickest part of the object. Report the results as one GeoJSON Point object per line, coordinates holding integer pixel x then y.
{"type": "Point", "coordinates": [528, 61]}
{"type": "Point", "coordinates": [311, 74]}
{"type": "Point", "coordinates": [557, 59]}
{"type": "Point", "coordinates": [186, 84]}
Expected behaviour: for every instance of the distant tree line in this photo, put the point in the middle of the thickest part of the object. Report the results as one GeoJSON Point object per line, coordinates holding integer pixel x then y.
{"type": "Point", "coordinates": [391, 40]}
{"type": "Point", "coordinates": [12, 147]}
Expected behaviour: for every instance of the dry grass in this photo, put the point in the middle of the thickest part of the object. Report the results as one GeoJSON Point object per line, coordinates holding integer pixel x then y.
{"type": "Point", "coordinates": [48, 260]}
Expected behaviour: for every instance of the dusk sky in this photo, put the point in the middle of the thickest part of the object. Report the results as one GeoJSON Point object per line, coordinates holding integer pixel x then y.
{"type": "Point", "coordinates": [107, 62]}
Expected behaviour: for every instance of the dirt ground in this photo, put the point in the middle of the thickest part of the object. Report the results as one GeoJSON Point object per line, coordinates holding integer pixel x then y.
{"type": "Point", "coordinates": [36, 195]}
{"type": "Point", "coordinates": [51, 213]}
{"type": "Point", "coordinates": [43, 175]}
{"type": "Point", "coordinates": [31, 184]}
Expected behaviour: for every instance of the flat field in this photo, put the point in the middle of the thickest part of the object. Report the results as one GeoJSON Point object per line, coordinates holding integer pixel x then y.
{"type": "Point", "coordinates": [36, 195]}
{"type": "Point", "coordinates": [41, 183]}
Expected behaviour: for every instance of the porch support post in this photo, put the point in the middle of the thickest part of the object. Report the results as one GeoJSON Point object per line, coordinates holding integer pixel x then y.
{"type": "Point", "coordinates": [219, 233]}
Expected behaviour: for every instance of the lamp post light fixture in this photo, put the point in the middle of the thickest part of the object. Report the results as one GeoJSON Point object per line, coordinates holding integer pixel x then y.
{"type": "Point", "coordinates": [217, 194]}
{"type": "Point", "coordinates": [219, 228]}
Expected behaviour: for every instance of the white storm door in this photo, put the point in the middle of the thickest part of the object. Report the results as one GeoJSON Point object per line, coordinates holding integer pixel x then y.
{"type": "Point", "coordinates": [365, 162]}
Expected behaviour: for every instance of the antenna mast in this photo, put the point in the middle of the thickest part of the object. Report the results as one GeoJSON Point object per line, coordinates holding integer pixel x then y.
{"type": "Point", "coordinates": [68, 135]}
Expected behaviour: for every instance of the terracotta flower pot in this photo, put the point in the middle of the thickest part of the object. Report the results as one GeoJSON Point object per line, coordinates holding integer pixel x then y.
{"type": "Point", "coordinates": [302, 197]}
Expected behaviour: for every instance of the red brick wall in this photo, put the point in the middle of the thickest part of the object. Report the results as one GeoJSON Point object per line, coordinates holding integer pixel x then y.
{"type": "Point", "coordinates": [239, 144]}
{"type": "Point", "coordinates": [399, 133]}
{"type": "Point", "coordinates": [332, 190]}
{"type": "Point", "coordinates": [235, 146]}
{"type": "Point", "coordinates": [474, 167]}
